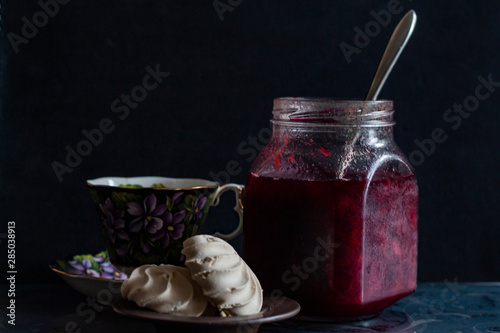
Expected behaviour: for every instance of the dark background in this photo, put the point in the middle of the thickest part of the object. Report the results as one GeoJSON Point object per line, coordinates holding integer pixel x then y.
{"type": "Point", "coordinates": [223, 78]}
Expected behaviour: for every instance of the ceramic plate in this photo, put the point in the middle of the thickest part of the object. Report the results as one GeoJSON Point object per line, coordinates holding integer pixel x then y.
{"type": "Point", "coordinates": [91, 275]}
{"type": "Point", "coordinates": [283, 309]}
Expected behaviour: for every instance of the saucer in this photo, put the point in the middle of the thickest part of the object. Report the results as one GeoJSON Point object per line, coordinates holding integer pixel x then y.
{"type": "Point", "coordinates": [91, 275]}
{"type": "Point", "coordinates": [271, 312]}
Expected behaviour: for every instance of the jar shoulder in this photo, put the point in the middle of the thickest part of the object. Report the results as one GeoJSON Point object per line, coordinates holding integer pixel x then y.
{"type": "Point", "coordinates": [312, 160]}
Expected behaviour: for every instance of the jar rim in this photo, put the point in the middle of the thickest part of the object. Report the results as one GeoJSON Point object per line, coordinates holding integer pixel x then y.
{"type": "Point", "coordinates": [332, 112]}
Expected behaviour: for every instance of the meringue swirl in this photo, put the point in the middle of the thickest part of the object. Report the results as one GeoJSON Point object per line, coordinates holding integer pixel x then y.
{"type": "Point", "coordinates": [165, 289]}
{"type": "Point", "coordinates": [226, 280]}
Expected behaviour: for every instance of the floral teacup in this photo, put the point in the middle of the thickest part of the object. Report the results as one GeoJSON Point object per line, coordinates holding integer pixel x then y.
{"type": "Point", "coordinates": [146, 219]}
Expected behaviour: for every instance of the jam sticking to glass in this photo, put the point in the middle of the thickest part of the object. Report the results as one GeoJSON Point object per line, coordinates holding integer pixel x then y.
{"type": "Point", "coordinates": [341, 248]}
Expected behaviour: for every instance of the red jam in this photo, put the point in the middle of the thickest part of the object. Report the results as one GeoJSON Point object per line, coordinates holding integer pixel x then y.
{"type": "Point", "coordinates": [341, 248]}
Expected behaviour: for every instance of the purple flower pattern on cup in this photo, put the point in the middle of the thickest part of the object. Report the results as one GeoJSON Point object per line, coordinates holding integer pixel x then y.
{"type": "Point", "coordinates": [148, 215]}
{"type": "Point", "coordinates": [196, 210]}
{"type": "Point", "coordinates": [177, 197]}
{"type": "Point", "coordinates": [121, 252]}
{"type": "Point", "coordinates": [172, 227]}
{"type": "Point", "coordinates": [198, 206]}
{"type": "Point", "coordinates": [114, 222]}
{"type": "Point", "coordinates": [141, 226]}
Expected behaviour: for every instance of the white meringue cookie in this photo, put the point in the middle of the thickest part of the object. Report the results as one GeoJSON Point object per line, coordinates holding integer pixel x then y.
{"type": "Point", "coordinates": [224, 277]}
{"type": "Point", "coordinates": [165, 289]}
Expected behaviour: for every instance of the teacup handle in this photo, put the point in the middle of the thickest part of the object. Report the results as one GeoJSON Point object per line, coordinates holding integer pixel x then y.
{"type": "Point", "coordinates": [238, 191]}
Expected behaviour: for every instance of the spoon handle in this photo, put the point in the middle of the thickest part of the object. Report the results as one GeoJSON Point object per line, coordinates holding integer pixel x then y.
{"type": "Point", "coordinates": [398, 40]}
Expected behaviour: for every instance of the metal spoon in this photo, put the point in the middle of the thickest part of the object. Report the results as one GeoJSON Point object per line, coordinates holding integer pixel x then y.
{"type": "Point", "coordinates": [396, 44]}
{"type": "Point", "coordinates": [398, 40]}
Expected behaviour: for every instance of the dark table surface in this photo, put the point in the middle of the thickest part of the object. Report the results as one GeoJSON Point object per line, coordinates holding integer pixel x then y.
{"type": "Point", "coordinates": [434, 307]}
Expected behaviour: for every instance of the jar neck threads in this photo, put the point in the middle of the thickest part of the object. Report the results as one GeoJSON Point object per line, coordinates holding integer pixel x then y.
{"type": "Point", "coordinates": [324, 112]}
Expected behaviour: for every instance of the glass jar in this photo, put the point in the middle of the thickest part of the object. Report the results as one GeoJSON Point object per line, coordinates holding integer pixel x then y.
{"type": "Point", "coordinates": [331, 209]}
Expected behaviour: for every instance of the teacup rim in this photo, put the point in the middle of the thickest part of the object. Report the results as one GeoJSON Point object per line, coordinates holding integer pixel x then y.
{"type": "Point", "coordinates": [203, 183]}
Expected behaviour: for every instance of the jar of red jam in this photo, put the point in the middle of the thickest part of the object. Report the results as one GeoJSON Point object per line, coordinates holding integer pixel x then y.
{"type": "Point", "coordinates": [331, 209]}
